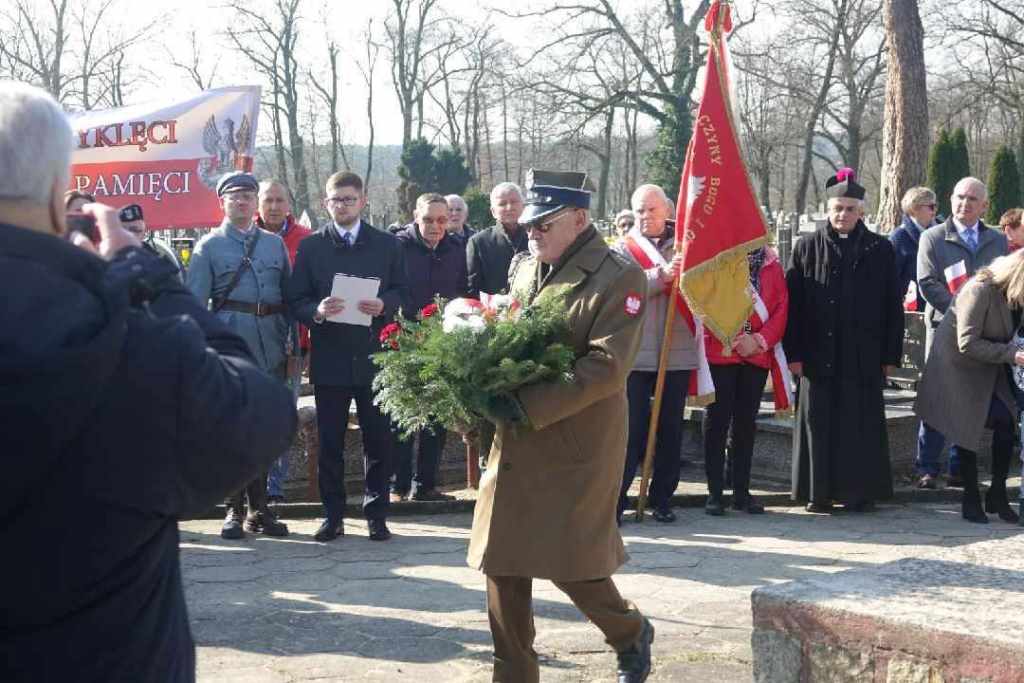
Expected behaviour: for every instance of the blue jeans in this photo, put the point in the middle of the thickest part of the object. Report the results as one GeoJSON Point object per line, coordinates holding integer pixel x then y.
{"type": "Point", "coordinates": [929, 448]}
{"type": "Point", "coordinates": [278, 472]}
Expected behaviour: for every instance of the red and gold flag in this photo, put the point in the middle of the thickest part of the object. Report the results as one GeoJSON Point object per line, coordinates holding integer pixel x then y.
{"type": "Point", "coordinates": [718, 217]}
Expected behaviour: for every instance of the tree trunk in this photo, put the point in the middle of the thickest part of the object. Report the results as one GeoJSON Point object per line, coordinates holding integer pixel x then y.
{"type": "Point", "coordinates": [905, 135]}
{"type": "Point", "coordinates": [815, 114]}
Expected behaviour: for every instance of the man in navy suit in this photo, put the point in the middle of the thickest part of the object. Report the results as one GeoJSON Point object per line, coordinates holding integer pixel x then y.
{"type": "Point", "coordinates": [340, 366]}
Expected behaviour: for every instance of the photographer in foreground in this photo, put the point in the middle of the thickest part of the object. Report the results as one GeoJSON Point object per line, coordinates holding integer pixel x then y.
{"type": "Point", "coordinates": [125, 405]}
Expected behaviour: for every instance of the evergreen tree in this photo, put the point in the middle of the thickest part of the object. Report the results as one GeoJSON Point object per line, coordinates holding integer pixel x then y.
{"type": "Point", "coordinates": [478, 205]}
{"type": "Point", "coordinates": [1003, 185]}
{"type": "Point", "coordinates": [940, 178]}
{"type": "Point", "coordinates": [665, 162]}
{"type": "Point", "coordinates": [961, 162]}
{"type": "Point", "coordinates": [418, 171]}
{"type": "Point", "coordinates": [450, 169]}
{"type": "Point", "coordinates": [1020, 159]}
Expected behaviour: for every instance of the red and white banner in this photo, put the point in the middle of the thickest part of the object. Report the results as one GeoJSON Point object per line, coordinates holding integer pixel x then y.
{"type": "Point", "coordinates": [956, 276]}
{"type": "Point", "coordinates": [166, 156]}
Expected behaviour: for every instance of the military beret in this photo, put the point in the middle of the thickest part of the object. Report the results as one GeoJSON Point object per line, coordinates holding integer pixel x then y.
{"type": "Point", "coordinates": [237, 181]}
{"type": "Point", "coordinates": [548, 192]}
{"type": "Point", "coordinates": [842, 184]}
{"type": "Point", "coordinates": [132, 212]}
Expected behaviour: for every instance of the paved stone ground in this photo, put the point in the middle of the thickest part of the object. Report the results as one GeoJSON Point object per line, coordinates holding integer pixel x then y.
{"type": "Point", "coordinates": [269, 610]}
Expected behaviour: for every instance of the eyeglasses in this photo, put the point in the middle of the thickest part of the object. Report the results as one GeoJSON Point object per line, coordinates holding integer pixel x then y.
{"type": "Point", "coordinates": [545, 227]}
{"type": "Point", "coordinates": [347, 201]}
{"type": "Point", "coordinates": [927, 206]}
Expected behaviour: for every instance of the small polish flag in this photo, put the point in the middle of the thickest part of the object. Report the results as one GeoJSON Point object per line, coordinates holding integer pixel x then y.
{"type": "Point", "coordinates": [910, 299]}
{"type": "Point", "coordinates": [956, 276]}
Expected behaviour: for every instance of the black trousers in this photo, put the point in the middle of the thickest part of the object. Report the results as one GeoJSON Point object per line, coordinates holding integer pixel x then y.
{"type": "Point", "coordinates": [738, 390]}
{"type": "Point", "coordinates": [667, 452]}
{"type": "Point", "coordinates": [428, 454]}
{"type": "Point", "coordinates": [1002, 423]}
{"type": "Point", "coordinates": [332, 406]}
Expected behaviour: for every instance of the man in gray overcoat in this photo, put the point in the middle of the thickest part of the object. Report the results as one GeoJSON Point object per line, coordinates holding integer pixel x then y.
{"type": "Point", "coordinates": [240, 271]}
{"type": "Point", "coordinates": [948, 255]}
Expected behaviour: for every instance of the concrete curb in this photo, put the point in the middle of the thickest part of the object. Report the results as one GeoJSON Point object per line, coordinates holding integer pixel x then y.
{"type": "Point", "coordinates": [308, 510]}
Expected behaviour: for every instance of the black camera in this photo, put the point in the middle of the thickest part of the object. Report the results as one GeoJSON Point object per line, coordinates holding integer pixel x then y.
{"type": "Point", "coordinates": [83, 223]}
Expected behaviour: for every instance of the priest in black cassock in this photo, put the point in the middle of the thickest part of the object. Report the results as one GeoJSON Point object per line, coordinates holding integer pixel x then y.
{"type": "Point", "coordinates": [844, 335]}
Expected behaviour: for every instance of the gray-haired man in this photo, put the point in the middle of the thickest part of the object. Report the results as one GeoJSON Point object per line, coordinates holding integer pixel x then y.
{"type": "Point", "coordinates": [489, 252]}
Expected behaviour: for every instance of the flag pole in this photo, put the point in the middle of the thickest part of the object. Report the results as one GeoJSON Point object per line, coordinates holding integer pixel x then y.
{"type": "Point", "coordinates": [659, 389]}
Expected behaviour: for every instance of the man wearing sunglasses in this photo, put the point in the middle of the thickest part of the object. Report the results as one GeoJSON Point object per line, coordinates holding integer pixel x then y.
{"type": "Point", "coordinates": [547, 499]}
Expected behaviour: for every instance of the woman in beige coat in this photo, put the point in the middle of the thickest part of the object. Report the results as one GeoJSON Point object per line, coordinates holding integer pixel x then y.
{"type": "Point", "coordinates": [966, 385]}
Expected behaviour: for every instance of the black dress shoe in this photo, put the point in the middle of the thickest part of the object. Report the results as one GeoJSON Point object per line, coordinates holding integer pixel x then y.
{"type": "Point", "coordinates": [664, 515]}
{"type": "Point", "coordinates": [1002, 508]}
{"type": "Point", "coordinates": [863, 506]}
{"type": "Point", "coordinates": [972, 512]}
{"type": "Point", "coordinates": [749, 505]}
{"type": "Point", "coordinates": [954, 481]}
{"type": "Point", "coordinates": [714, 506]}
{"type": "Point", "coordinates": [431, 495]}
{"type": "Point", "coordinates": [635, 663]}
{"type": "Point", "coordinates": [819, 508]}
{"type": "Point", "coordinates": [378, 530]}
{"type": "Point", "coordinates": [329, 530]}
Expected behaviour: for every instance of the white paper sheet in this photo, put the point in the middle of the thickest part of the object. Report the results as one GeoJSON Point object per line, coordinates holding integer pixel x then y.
{"type": "Point", "coordinates": [353, 290]}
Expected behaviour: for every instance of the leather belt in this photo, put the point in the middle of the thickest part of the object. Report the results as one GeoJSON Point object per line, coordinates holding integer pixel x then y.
{"type": "Point", "coordinates": [259, 309]}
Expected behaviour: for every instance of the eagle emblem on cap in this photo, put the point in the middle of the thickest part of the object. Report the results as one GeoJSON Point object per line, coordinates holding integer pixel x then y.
{"type": "Point", "coordinates": [226, 146]}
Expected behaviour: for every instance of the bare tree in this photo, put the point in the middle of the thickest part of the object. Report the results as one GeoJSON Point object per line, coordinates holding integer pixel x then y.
{"type": "Point", "coordinates": [201, 74]}
{"type": "Point", "coordinates": [268, 41]}
{"type": "Point", "coordinates": [905, 140]}
{"type": "Point", "coordinates": [367, 70]}
{"type": "Point", "coordinates": [69, 47]}
{"type": "Point", "coordinates": [329, 95]}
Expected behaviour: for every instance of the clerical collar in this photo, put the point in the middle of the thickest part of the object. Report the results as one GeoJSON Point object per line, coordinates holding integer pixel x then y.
{"type": "Point", "coordinates": [353, 230]}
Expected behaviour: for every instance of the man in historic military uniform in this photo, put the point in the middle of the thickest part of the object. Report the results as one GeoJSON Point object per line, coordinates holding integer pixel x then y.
{"type": "Point", "coordinates": [240, 271]}
{"type": "Point", "coordinates": [843, 337]}
{"type": "Point", "coordinates": [548, 497]}
{"type": "Point", "coordinates": [133, 222]}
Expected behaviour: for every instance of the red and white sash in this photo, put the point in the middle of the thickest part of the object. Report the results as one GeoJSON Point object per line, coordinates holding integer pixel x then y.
{"type": "Point", "coordinates": [702, 387]}
{"type": "Point", "coordinates": [782, 378]}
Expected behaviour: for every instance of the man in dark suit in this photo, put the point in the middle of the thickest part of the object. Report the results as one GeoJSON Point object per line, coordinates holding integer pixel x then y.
{"type": "Point", "coordinates": [340, 366]}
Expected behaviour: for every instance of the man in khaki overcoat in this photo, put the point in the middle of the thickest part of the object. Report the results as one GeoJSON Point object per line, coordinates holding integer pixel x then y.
{"type": "Point", "coordinates": [548, 496]}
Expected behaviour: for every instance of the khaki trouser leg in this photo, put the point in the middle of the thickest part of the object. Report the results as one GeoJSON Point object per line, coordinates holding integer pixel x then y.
{"type": "Point", "coordinates": [619, 620]}
{"type": "Point", "coordinates": [510, 608]}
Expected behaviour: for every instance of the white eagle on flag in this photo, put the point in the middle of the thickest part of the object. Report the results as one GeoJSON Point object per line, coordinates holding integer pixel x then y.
{"type": "Point", "coordinates": [693, 190]}
{"type": "Point", "coordinates": [225, 145]}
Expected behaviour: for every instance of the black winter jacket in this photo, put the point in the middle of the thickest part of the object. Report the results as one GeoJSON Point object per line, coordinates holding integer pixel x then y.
{"type": "Point", "coordinates": [815, 299]}
{"type": "Point", "coordinates": [340, 353]}
{"type": "Point", "coordinates": [118, 418]}
{"type": "Point", "coordinates": [432, 272]}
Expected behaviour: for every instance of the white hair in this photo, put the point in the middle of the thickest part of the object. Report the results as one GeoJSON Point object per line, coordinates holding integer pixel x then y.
{"type": "Point", "coordinates": [503, 188]}
{"type": "Point", "coordinates": [970, 180]}
{"type": "Point", "coordinates": [35, 143]}
{"type": "Point", "coordinates": [643, 189]}
{"type": "Point", "coordinates": [455, 198]}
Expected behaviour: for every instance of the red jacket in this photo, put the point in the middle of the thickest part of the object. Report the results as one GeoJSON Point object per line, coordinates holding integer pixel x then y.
{"type": "Point", "coordinates": [292, 233]}
{"type": "Point", "coordinates": [776, 300]}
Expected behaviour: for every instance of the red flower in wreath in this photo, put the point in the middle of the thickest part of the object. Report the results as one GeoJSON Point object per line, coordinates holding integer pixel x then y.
{"type": "Point", "coordinates": [428, 310]}
{"type": "Point", "coordinates": [389, 335]}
